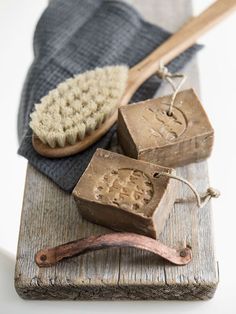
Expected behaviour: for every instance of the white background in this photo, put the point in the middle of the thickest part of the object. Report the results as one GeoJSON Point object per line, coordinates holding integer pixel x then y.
{"type": "Point", "coordinates": [218, 93]}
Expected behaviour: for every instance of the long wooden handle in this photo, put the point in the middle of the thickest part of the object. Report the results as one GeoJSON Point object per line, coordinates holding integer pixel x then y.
{"type": "Point", "coordinates": [49, 257]}
{"type": "Point", "coordinates": [179, 42]}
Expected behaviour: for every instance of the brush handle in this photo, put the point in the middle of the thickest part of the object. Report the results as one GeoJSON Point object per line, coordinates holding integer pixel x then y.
{"type": "Point", "coordinates": [177, 43]}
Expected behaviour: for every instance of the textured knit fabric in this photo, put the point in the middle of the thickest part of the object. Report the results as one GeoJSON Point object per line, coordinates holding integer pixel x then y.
{"type": "Point", "coordinates": [71, 37]}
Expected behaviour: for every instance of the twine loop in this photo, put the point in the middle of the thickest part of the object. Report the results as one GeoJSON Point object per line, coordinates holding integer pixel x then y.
{"type": "Point", "coordinates": [164, 74]}
{"type": "Point", "coordinates": [201, 201]}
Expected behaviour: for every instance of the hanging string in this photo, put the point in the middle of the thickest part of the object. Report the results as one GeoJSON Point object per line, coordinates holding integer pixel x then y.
{"type": "Point", "coordinates": [164, 74]}
{"type": "Point", "coordinates": [201, 202]}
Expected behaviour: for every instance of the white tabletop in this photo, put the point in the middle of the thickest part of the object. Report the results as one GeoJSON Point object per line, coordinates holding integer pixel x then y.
{"type": "Point", "coordinates": [217, 74]}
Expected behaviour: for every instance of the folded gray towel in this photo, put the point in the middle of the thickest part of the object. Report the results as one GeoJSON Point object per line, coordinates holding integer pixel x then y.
{"type": "Point", "coordinates": [74, 36]}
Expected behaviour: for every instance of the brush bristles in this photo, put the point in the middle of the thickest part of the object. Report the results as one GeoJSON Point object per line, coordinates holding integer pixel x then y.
{"type": "Point", "coordinates": [79, 105]}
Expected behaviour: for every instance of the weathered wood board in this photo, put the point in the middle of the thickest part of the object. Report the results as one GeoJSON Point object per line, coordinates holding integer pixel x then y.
{"type": "Point", "coordinates": [50, 217]}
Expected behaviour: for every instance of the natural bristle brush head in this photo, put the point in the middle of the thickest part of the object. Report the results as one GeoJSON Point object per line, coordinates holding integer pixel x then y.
{"type": "Point", "coordinates": [79, 105]}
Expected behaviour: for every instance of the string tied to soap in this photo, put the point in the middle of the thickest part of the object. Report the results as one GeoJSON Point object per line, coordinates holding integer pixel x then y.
{"type": "Point", "coordinates": [164, 74]}
{"type": "Point", "coordinates": [201, 201]}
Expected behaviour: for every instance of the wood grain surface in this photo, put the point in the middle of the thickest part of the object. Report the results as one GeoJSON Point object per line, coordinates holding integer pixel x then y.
{"type": "Point", "coordinates": [50, 217]}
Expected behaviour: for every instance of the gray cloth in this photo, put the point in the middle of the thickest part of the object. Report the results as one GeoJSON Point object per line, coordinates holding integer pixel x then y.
{"type": "Point", "coordinates": [71, 37]}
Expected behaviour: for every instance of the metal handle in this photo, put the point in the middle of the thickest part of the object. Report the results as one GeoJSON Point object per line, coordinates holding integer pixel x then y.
{"type": "Point", "coordinates": [50, 256]}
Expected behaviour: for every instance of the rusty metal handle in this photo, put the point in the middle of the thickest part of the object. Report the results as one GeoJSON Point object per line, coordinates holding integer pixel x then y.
{"type": "Point", "coordinates": [50, 256]}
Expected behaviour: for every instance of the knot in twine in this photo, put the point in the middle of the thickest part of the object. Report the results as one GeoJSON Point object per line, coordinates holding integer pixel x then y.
{"type": "Point", "coordinates": [164, 74]}
{"type": "Point", "coordinates": [213, 192]}
{"type": "Point", "coordinates": [201, 201]}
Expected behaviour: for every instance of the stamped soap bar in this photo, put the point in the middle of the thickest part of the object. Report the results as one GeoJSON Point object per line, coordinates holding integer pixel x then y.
{"type": "Point", "coordinates": [123, 194]}
{"type": "Point", "coordinates": [147, 132]}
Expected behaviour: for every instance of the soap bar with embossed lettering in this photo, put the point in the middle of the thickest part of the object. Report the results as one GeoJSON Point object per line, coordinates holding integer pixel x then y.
{"type": "Point", "coordinates": [146, 132]}
{"type": "Point", "coordinates": [123, 194]}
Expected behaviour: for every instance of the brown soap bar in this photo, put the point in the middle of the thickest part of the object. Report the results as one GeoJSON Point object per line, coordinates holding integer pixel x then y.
{"type": "Point", "coordinates": [123, 194]}
{"type": "Point", "coordinates": [146, 132]}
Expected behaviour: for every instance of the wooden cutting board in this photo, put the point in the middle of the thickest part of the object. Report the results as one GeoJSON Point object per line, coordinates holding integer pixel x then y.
{"type": "Point", "coordinates": [50, 217]}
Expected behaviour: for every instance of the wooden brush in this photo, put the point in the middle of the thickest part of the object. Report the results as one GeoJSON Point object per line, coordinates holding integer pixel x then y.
{"type": "Point", "coordinates": [82, 109]}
